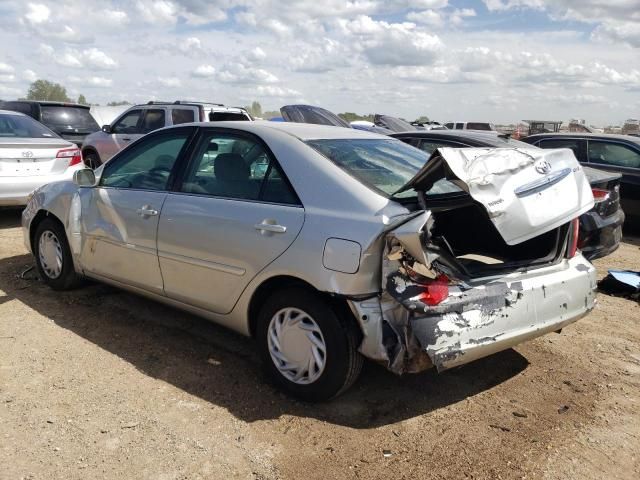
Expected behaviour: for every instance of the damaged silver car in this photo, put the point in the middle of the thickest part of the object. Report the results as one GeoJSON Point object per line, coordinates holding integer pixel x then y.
{"type": "Point", "coordinates": [329, 245]}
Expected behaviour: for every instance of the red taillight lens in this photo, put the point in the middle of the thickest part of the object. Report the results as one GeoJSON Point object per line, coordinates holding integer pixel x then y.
{"type": "Point", "coordinates": [600, 195]}
{"type": "Point", "coordinates": [73, 154]}
{"type": "Point", "coordinates": [436, 291]}
{"type": "Point", "coordinates": [573, 240]}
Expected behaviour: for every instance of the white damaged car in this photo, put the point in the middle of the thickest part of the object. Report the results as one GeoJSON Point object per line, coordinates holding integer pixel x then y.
{"type": "Point", "coordinates": [329, 245]}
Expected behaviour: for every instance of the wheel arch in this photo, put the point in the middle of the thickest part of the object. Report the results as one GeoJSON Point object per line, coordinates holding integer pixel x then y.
{"type": "Point", "coordinates": [280, 282]}
{"type": "Point", "coordinates": [37, 220]}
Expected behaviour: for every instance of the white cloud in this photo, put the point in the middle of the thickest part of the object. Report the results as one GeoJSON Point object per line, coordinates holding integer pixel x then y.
{"type": "Point", "coordinates": [90, 58]}
{"type": "Point", "coordinates": [159, 12]}
{"type": "Point", "coordinates": [204, 71]}
{"type": "Point", "coordinates": [29, 75]}
{"type": "Point", "coordinates": [240, 73]}
{"type": "Point", "coordinates": [275, 91]}
{"type": "Point", "coordinates": [37, 13]}
{"type": "Point", "coordinates": [171, 82]}
{"type": "Point", "coordinates": [6, 68]}
{"type": "Point", "coordinates": [427, 17]}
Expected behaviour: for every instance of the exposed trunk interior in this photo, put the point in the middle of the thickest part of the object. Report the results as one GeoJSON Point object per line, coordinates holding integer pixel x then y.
{"type": "Point", "coordinates": [465, 230]}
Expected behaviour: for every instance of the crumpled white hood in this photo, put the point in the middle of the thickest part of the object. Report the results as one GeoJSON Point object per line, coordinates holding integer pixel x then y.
{"type": "Point", "coordinates": [526, 192]}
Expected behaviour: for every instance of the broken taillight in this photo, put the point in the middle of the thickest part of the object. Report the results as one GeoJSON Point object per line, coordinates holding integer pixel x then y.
{"type": "Point", "coordinates": [435, 291]}
{"type": "Point", "coordinates": [573, 239]}
{"type": "Point", "coordinates": [600, 195]}
{"type": "Point", "coordinates": [73, 154]}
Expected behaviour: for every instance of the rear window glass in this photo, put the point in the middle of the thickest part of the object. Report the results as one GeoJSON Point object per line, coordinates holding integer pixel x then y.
{"type": "Point", "coordinates": [19, 126]}
{"type": "Point", "coordinates": [478, 126]}
{"type": "Point", "coordinates": [385, 165]}
{"type": "Point", "coordinates": [65, 116]}
{"type": "Point", "coordinates": [227, 117]}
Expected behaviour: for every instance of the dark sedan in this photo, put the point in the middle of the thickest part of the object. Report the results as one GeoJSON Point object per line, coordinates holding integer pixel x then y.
{"type": "Point", "coordinates": [600, 228]}
{"type": "Point", "coordinates": [613, 153]}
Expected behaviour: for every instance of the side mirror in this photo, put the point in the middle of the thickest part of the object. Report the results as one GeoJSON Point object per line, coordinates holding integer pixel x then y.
{"type": "Point", "coordinates": [106, 128]}
{"type": "Point", "coordinates": [84, 178]}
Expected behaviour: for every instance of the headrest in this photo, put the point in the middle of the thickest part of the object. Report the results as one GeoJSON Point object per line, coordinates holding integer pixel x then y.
{"type": "Point", "coordinates": [231, 167]}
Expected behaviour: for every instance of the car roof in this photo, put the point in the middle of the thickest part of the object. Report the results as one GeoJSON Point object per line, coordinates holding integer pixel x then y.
{"type": "Point", "coordinates": [600, 136]}
{"type": "Point", "coordinates": [49, 102]}
{"type": "Point", "coordinates": [303, 131]}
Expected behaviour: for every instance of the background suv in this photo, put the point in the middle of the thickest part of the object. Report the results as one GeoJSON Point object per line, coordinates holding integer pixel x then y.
{"type": "Point", "coordinates": [71, 121]}
{"type": "Point", "coordinates": [142, 119]}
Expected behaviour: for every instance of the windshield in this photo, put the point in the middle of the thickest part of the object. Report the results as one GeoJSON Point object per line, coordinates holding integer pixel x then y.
{"type": "Point", "coordinates": [66, 116]}
{"type": "Point", "coordinates": [21, 126]}
{"type": "Point", "coordinates": [385, 165]}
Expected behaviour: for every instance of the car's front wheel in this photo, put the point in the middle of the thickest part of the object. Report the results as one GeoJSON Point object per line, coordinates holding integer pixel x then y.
{"type": "Point", "coordinates": [53, 256]}
{"type": "Point", "coordinates": [307, 349]}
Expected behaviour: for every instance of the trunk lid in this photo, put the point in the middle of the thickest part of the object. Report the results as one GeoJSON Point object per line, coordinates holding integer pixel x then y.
{"type": "Point", "coordinates": [32, 157]}
{"type": "Point", "coordinates": [526, 192]}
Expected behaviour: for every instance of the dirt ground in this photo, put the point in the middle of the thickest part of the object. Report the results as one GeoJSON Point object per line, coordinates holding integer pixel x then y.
{"type": "Point", "coordinates": [98, 383]}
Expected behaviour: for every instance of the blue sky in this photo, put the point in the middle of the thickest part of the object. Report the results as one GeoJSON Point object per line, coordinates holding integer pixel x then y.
{"type": "Point", "coordinates": [496, 60]}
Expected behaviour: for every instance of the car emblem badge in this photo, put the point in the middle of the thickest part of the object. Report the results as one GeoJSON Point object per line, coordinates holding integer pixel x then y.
{"type": "Point", "coordinates": [27, 154]}
{"type": "Point", "coordinates": [542, 167]}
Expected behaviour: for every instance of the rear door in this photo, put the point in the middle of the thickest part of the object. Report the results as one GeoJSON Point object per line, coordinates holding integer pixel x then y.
{"type": "Point", "coordinates": [233, 213]}
{"type": "Point", "coordinates": [120, 216]}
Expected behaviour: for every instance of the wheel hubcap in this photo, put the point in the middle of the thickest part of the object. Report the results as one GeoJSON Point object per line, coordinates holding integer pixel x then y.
{"type": "Point", "coordinates": [297, 346]}
{"type": "Point", "coordinates": [50, 254]}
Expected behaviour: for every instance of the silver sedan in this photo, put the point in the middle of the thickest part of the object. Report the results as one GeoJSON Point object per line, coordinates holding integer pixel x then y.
{"type": "Point", "coordinates": [31, 155]}
{"type": "Point", "coordinates": [329, 245]}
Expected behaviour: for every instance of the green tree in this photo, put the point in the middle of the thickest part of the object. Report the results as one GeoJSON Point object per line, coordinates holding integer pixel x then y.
{"type": "Point", "coordinates": [46, 90]}
{"type": "Point", "coordinates": [117, 104]}
{"type": "Point", "coordinates": [255, 109]}
{"type": "Point", "coordinates": [422, 119]}
{"type": "Point", "coordinates": [82, 100]}
{"type": "Point", "coordinates": [351, 117]}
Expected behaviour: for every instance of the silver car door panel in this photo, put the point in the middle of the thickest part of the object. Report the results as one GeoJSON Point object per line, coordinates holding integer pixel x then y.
{"type": "Point", "coordinates": [210, 248]}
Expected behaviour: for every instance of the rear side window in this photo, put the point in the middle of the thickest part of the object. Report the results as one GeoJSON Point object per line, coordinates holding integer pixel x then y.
{"type": "Point", "coordinates": [237, 167]}
{"type": "Point", "coordinates": [227, 117]}
{"type": "Point", "coordinates": [459, 126]}
{"type": "Point", "coordinates": [154, 119]}
{"type": "Point", "coordinates": [613, 154]}
{"type": "Point", "coordinates": [182, 115]}
{"type": "Point", "coordinates": [573, 144]}
{"type": "Point", "coordinates": [66, 116]}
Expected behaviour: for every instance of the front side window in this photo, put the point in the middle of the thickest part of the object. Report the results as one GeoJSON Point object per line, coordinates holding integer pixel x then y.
{"type": "Point", "coordinates": [128, 123]}
{"type": "Point", "coordinates": [613, 154]}
{"type": "Point", "coordinates": [459, 126]}
{"type": "Point", "coordinates": [146, 165]}
{"type": "Point", "coordinates": [238, 167]}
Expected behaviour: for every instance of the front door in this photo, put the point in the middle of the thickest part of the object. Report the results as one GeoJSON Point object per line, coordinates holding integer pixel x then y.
{"type": "Point", "coordinates": [231, 216]}
{"type": "Point", "coordinates": [120, 216]}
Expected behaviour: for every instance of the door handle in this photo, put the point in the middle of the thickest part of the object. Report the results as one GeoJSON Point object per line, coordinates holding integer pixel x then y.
{"type": "Point", "coordinates": [126, 139]}
{"type": "Point", "coordinates": [147, 211]}
{"type": "Point", "coordinates": [270, 227]}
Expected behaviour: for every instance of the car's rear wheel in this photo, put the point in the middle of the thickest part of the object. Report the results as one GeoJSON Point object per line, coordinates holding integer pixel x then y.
{"type": "Point", "coordinates": [53, 256]}
{"type": "Point", "coordinates": [306, 348]}
{"type": "Point", "coordinates": [92, 160]}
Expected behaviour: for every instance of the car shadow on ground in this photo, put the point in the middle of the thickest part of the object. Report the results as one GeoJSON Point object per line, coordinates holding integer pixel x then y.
{"type": "Point", "coordinates": [10, 217]}
{"type": "Point", "coordinates": [222, 367]}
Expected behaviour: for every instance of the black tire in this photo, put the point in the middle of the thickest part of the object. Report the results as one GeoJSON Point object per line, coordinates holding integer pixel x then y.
{"type": "Point", "coordinates": [341, 336]}
{"type": "Point", "coordinates": [91, 159]}
{"type": "Point", "coordinates": [67, 278]}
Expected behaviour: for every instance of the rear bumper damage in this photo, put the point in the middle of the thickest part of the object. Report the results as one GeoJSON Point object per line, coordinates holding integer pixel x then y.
{"type": "Point", "coordinates": [477, 322]}
{"type": "Point", "coordinates": [478, 317]}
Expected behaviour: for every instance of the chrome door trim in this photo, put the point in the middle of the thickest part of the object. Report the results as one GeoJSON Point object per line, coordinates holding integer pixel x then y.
{"type": "Point", "coordinates": [220, 267]}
